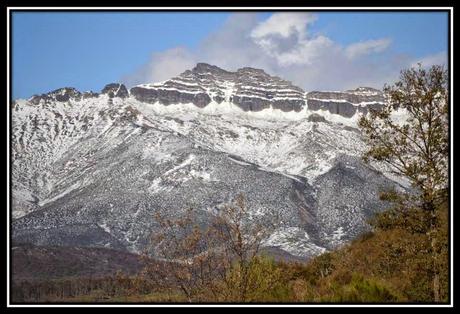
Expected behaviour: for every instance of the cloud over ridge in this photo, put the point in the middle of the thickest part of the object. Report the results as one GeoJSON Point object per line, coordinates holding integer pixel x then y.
{"type": "Point", "coordinates": [283, 45]}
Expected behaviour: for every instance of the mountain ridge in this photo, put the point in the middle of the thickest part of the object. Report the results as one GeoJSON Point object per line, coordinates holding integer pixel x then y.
{"type": "Point", "coordinates": [250, 89]}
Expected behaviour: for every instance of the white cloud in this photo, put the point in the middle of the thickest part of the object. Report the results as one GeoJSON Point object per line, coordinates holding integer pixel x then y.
{"type": "Point", "coordinates": [283, 45]}
{"type": "Point", "coordinates": [283, 36]}
{"type": "Point", "coordinates": [231, 47]}
{"type": "Point", "coordinates": [162, 66]}
{"type": "Point", "coordinates": [438, 58]}
{"type": "Point", "coordinates": [366, 47]}
{"type": "Point", "coordinates": [283, 24]}
{"type": "Point", "coordinates": [169, 63]}
{"type": "Point", "coordinates": [306, 52]}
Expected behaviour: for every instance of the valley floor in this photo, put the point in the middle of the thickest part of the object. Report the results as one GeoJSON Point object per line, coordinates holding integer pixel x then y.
{"type": "Point", "coordinates": [387, 266]}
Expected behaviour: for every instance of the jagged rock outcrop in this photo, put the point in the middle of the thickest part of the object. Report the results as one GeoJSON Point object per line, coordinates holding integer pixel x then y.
{"type": "Point", "coordinates": [115, 90]}
{"type": "Point", "coordinates": [61, 95]}
{"type": "Point", "coordinates": [90, 94]}
{"type": "Point", "coordinates": [314, 117]}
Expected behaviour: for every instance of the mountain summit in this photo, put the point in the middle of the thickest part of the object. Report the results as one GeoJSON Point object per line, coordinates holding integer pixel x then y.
{"type": "Point", "coordinates": [249, 89]}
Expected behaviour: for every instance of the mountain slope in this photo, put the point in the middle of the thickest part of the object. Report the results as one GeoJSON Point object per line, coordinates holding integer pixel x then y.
{"type": "Point", "coordinates": [92, 169]}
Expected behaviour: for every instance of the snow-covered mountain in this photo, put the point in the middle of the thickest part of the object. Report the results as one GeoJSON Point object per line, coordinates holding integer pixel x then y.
{"type": "Point", "coordinates": [91, 169]}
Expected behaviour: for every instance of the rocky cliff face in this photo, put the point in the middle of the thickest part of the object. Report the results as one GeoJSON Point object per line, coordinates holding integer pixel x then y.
{"type": "Point", "coordinates": [253, 90]}
{"type": "Point", "coordinates": [346, 103]}
{"type": "Point", "coordinates": [92, 169]}
{"type": "Point", "coordinates": [248, 88]}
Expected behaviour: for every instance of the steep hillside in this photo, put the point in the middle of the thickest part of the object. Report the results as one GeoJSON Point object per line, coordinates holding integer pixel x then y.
{"type": "Point", "coordinates": [92, 169]}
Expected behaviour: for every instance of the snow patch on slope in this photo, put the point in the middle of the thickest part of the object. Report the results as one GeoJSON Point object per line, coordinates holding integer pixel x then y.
{"type": "Point", "coordinates": [60, 195]}
{"type": "Point", "coordinates": [295, 241]}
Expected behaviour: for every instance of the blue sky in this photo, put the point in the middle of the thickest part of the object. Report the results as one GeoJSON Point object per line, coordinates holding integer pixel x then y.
{"type": "Point", "coordinates": [327, 50]}
{"type": "Point", "coordinates": [418, 34]}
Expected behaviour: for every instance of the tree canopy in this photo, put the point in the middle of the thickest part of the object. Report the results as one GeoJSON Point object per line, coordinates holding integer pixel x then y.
{"type": "Point", "coordinates": [411, 132]}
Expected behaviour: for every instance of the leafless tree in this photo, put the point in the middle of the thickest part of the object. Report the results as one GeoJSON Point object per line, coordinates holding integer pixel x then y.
{"type": "Point", "coordinates": [212, 262]}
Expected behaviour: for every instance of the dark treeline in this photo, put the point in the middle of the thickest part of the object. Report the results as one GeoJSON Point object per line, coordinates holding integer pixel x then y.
{"type": "Point", "coordinates": [61, 289]}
